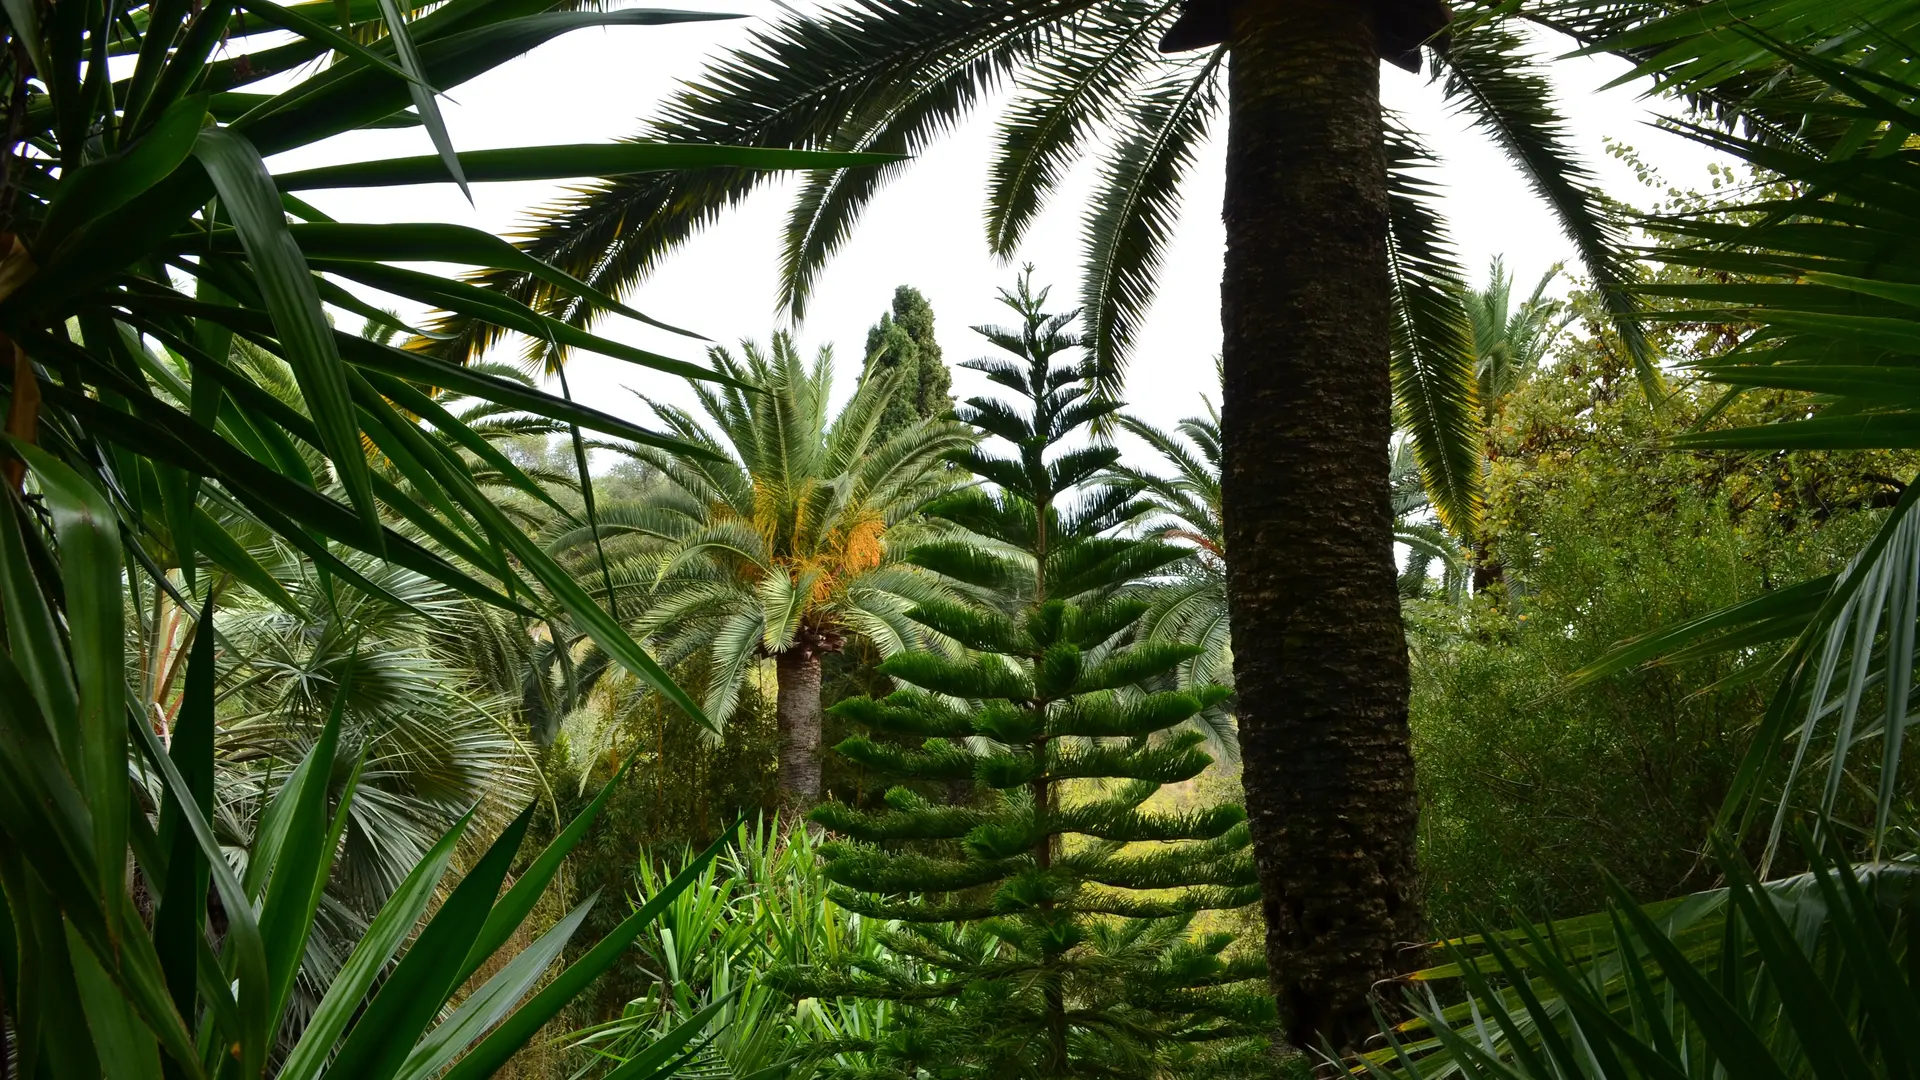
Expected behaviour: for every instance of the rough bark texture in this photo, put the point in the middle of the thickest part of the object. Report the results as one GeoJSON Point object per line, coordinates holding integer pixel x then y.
{"type": "Point", "coordinates": [1320, 657]}
{"type": "Point", "coordinates": [798, 673]}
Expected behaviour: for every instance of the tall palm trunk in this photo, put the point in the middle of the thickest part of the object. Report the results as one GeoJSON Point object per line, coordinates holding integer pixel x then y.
{"type": "Point", "coordinates": [797, 672]}
{"type": "Point", "coordinates": [1320, 658]}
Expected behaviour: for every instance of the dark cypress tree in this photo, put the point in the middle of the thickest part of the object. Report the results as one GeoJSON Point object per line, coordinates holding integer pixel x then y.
{"type": "Point", "coordinates": [1046, 913]}
{"type": "Point", "coordinates": [903, 338]}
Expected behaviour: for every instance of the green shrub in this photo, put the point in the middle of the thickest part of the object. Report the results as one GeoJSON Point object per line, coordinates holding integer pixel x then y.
{"type": "Point", "coordinates": [1604, 534]}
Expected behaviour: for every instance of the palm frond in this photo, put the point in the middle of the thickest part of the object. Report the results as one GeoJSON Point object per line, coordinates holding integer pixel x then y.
{"type": "Point", "coordinates": [1136, 208]}
{"type": "Point", "coordinates": [1490, 78]}
{"type": "Point", "coordinates": [1432, 359]}
{"type": "Point", "coordinates": [1066, 96]}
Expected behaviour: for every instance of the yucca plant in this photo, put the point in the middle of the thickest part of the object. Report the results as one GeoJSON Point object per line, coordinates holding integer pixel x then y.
{"type": "Point", "coordinates": [1810, 976]}
{"type": "Point", "coordinates": [434, 744]}
{"type": "Point", "coordinates": [141, 233]}
{"type": "Point", "coordinates": [759, 909]}
{"type": "Point", "coordinates": [104, 979]}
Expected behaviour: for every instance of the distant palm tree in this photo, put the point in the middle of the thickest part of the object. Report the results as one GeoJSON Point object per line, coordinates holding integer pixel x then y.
{"type": "Point", "coordinates": [779, 545]}
{"type": "Point", "coordinates": [1509, 345]}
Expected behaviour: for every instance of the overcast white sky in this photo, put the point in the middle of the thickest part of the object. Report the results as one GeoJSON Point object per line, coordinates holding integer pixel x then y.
{"type": "Point", "coordinates": [925, 229]}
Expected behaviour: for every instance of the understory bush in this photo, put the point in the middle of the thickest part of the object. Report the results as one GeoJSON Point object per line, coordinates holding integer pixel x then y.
{"type": "Point", "coordinates": [1603, 533]}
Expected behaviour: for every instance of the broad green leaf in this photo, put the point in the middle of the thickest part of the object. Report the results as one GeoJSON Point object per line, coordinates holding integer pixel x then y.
{"type": "Point", "coordinates": [301, 864]}
{"type": "Point", "coordinates": [31, 633]}
{"type": "Point", "coordinates": [291, 18]}
{"type": "Point", "coordinates": [337, 101]}
{"type": "Point", "coordinates": [409, 397]}
{"type": "Point", "coordinates": [422, 93]}
{"type": "Point", "coordinates": [42, 809]}
{"type": "Point", "coordinates": [282, 504]}
{"type": "Point", "coordinates": [49, 1025]}
{"type": "Point", "coordinates": [411, 997]}
{"type": "Point", "coordinates": [430, 371]}
{"type": "Point", "coordinates": [125, 1046]}
{"type": "Point", "coordinates": [187, 65]}
{"type": "Point", "coordinates": [652, 1062]}
{"type": "Point", "coordinates": [179, 919]}
{"type": "Point", "coordinates": [506, 312]}
{"type": "Point", "coordinates": [24, 17]}
{"type": "Point", "coordinates": [513, 1033]}
{"type": "Point", "coordinates": [101, 187]}
{"type": "Point", "coordinates": [518, 903]}
{"type": "Point", "coordinates": [247, 193]}
{"type": "Point", "coordinates": [242, 953]}
{"type": "Point", "coordinates": [484, 1007]}
{"type": "Point", "coordinates": [384, 936]}
{"type": "Point", "coordinates": [90, 563]}
{"type": "Point", "coordinates": [433, 242]}
{"type": "Point", "coordinates": [213, 540]}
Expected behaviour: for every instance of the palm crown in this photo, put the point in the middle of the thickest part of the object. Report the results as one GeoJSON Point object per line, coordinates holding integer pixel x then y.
{"type": "Point", "coordinates": [777, 545]}
{"type": "Point", "coordinates": [893, 75]}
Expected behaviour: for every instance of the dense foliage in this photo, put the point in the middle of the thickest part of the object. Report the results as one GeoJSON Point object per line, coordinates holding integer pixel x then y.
{"type": "Point", "coordinates": [1526, 783]}
{"type": "Point", "coordinates": [903, 339]}
{"type": "Point", "coordinates": [179, 404]}
{"type": "Point", "coordinates": [351, 724]}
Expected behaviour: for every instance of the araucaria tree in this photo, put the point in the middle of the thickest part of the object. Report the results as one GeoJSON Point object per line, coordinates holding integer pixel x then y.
{"type": "Point", "coordinates": [1045, 912]}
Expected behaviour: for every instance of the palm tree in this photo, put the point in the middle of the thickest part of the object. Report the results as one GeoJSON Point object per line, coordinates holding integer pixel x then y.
{"type": "Point", "coordinates": [1339, 297]}
{"type": "Point", "coordinates": [1509, 345]}
{"type": "Point", "coordinates": [778, 545]}
{"type": "Point", "coordinates": [1191, 604]}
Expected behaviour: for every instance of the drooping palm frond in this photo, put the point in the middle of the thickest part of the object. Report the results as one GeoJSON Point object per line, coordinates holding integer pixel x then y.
{"type": "Point", "coordinates": [1063, 98]}
{"type": "Point", "coordinates": [837, 81]}
{"type": "Point", "coordinates": [1136, 208]}
{"type": "Point", "coordinates": [895, 74]}
{"type": "Point", "coordinates": [1432, 362]}
{"type": "Point", "coordinates": [1491, 77]}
